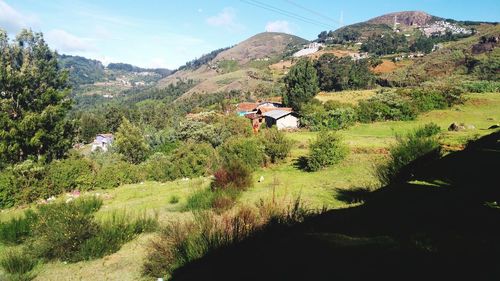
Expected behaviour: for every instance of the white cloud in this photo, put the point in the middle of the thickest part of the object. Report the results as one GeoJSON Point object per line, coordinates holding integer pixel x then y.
{"type": "Point", "coordinates": [278, 26]}
{"type": "Point", "coordinates": [227, 19]}
{"type": "Point", "coordinates": [12, 20]}
{"type": "Point", "coordinates": [64, 41]}
{"type": "Point", "coordinates": [200, 10]}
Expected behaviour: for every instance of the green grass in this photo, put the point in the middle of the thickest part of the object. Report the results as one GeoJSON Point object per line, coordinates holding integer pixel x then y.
{"type": "Point", "coordinates": [367, 142]}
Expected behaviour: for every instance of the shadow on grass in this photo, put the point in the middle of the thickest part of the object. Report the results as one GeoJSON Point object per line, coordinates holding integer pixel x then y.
{"type": "Point", "coordinates": [301, 163]}
{"type": "Point", "coordinates": [353, 195]}
{"type": "Point", "coordinates": [403, 231]}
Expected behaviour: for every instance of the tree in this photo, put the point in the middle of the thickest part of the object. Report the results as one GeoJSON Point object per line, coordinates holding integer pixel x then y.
{"type": "Point", "coordinates": [337, 74]}
{"type": "Point", "coordinates": [131, 143]}
{"type": "Point", "coordinates": [33, 100]}
{"type": "Point", "coordinates": [325, 151]}
{"type": "Point", "coordinates": [301, 84]}
{"type": "Point", "coordinates": [89, 126]}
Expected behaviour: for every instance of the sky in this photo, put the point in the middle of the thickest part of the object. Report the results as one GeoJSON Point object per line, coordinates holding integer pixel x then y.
{"type": "Point", "coordinates": [168, 33]}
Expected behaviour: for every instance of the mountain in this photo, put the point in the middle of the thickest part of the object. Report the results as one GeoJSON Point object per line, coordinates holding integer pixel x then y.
{"type": "Point", "coordinates": [260, 46]}
{"type": "Point", "coordinates": [406, 18]}
{"type": "Point", "coordinates": [82, 70]}
{"type": "Point", "coordinates": [242, 67]}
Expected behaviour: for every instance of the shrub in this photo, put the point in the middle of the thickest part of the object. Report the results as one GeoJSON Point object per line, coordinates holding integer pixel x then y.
{"type": "Point", "coordinates": [276, 145]}
{"type": "Point", "coordinates": [482, 86]}
{"type": "Point", "coordinates": [407, 149]}
{"type": "Point", "coordinates": [191, 160]}
{"type": "Point", "coordinates": [387, 106]}
{"type": "Point", "coordinates": [200, 200]}
{"type": "Point", "coordinates": [115, 172]}
{"type": "Point", "coordinates": [325, 151]}
{"type": "Point", "coordinates": [182, 242]}
{"type": "Point", "coordinates": [16, 230]}
{"type": "Point", "coordinates": [174, 199]}
{"type": "Point", "coordinates": [18, 264]}
{"type": "Point", "coordinates": [23, 183]}
{"type": "Point", "coordinates": [233, 175]}
{"type": "Point", "coordinates": [158, 167]}
{"type": "Point", "coordinates": [112, 233]}
{"type": "Point", "coordinates": [69, 174]}
{"type": "Point", "coordinates": [427, 100]}
{"type": "Point", "coordinates": [244, 150]}
{"type": "Point", "coordinates": [62, 228]}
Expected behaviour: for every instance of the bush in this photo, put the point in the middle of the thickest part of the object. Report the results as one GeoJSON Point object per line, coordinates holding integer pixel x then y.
{"type": "Point", "coordinates": [407, 149]}
{"type": "Point", "coordinates": [158, 167]}
{"type": "Point", "coordinates": [276, 146]}
{"type": "Point", "coordinates": [113, 233]}
{"type": "Point", "coordinates": [233, 175]}
{"type": "Point", "coordinates": [482, 86]}
{"type": "Point", "coordinates": [325, 151]}
{"type": "Point", "coordinates": [114, 172]}
{"type": "Point", "coordinates": [427, 100]}
{"type": "Point", "coordinates": [182, 242]}
{"type": "Point", "coordinates": [244, 150]}
{"type": "Point", "coordinates": [191, 160]}
{"type": "Point", "coordinates": [69, 174]}
{"type": "Point", "coordinates": [387, 106]}
{"type": "Point", "coordinates": [174, 199]}
{"type": "Point", "coordinates": [208, 199]}
{"type": "Point", "coordinates": [200, 200]}
{"type": "Point", "coordinates": [18, 264]}
{"type": "Point", "coordinates": [16, 230]}
{"type": "Point", "coordinates": [62, 228]}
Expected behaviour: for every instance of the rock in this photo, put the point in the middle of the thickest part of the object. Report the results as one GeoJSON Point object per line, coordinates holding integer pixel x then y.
{"type": "Point", "coordinates": [496, 126]}
{"type": "Point", "coordinates": [456, 127]}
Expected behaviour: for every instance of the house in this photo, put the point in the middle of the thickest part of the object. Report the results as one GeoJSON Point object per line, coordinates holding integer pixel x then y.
{"type": "Point", "coordinates": [102, 142]}
{"type": "Point", "coordinates": [282, 119]}
{"type": "Point", "coordinates": [246, 107]}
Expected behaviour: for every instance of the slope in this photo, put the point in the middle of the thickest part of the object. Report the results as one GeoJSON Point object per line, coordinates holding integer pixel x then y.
{"type": "Point", "coordinates": [242, 67]}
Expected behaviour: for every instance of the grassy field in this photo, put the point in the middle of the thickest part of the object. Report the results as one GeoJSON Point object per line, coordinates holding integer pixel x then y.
{"type": "Point", "coordinates": [368, 144]}
{"type": "Point", "coordinates": [352, 97]}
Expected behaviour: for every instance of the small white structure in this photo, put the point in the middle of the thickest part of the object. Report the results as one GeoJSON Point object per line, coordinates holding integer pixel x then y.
{"type": "Point", "coordinates": [282, 119]}
{"type": "Point", "coordinates": [102, 142]}
{"type": "Point", "coordinates": [310, 48]}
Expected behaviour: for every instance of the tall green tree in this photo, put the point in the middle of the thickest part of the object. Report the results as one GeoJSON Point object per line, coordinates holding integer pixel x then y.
{"type": "Point", "coordinates": [301, 84]}
{"type": "Point", "coordinates": [131, 143]}
{"type": "Point", "coordinates": [33, 100]}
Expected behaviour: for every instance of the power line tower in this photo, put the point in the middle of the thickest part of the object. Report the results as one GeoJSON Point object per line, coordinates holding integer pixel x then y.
{"type": "Point", "coordinates": [341, 20]}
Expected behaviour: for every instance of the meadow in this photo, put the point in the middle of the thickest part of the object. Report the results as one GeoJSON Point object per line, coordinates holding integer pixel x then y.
{"type": "Point", "coordinates": [368, 144]}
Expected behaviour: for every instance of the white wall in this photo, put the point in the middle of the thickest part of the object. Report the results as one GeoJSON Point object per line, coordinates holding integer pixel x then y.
{"type": "Point", "coordinates": [287, 122]}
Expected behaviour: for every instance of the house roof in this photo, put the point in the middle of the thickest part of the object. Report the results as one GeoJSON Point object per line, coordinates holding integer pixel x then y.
{"type": "Point", "coordinates": [277, 113]}
{"type": "Point", "coordinates": [106, 135]}
{"type": "Point", "coordinates": [265, 109]}
{"type": "Point", "coordinates": [247, 106]}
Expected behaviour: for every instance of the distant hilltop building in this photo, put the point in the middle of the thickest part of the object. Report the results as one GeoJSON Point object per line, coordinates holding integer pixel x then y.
{"type": "Point", "coordinates": [102, 142]}
{"type": "Point", "coordinates": [310, 48]}
{"type": "Point", "coordinates": [441, 27]}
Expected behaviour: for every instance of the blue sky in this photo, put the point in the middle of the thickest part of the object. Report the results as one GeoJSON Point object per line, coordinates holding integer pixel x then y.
{"type": "Point", "coordinates": [168, 33]}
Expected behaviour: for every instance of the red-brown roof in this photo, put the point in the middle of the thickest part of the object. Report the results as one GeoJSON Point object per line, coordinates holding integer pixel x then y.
{"type": "Point", "coordinates": [247, 106]}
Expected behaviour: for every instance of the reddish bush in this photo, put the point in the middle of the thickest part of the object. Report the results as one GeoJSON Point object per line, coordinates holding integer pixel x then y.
{"type": "Point", "coordinates": [234, 175]}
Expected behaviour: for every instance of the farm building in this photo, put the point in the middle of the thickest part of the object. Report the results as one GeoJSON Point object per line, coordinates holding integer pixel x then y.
{"type": "Point", "coordinates": [246, 107]}
{"type": "Point", "coordinates": [102, 142]}
{"type": "Point", "coordinates": [282, 119]}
